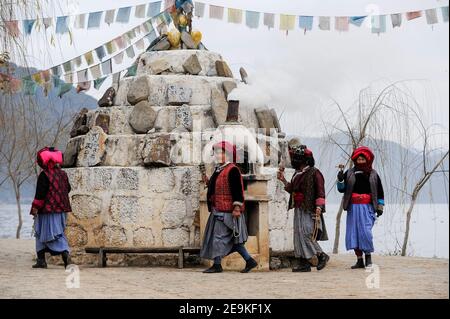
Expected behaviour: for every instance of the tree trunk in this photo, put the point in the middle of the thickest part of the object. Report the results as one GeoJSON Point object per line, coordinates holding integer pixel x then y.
{"type": "Point", "coordinates": [19, 210]}
{"type": "Point", "coordinates": [338, 227]}
{"type": "Point", "coordinates": [408, 222]}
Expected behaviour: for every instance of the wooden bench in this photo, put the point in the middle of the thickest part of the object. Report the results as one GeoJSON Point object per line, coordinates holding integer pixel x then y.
{"type": "Point", "coordinates": [102, 251]}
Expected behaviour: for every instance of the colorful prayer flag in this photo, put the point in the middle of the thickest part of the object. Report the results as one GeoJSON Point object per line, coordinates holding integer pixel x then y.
{"type": "Point", "coordinates": [396, 19]}
{"type": "Point", "coordinates": [89, 57]}
{"type": "Point", "coordinates": [95, 19]}
{"type": "Point", "coordinates": [324, 23]}
{"type": "Point", "coordinates": [199, 9]}
{"type": "Point", "coordinates": [305, 22]}
{"type": "Point", "coordinates": [100, 52]}
{"type": "Point", "coordinates": [123, 15]}
{"type": "Point", "coordinates": [28, 26]}
{"type": "Point", "coordinates": [269, 20]}
{"type": "Point", "coordinates": [252, 19]}
{"type": "Point", "coordinates": [357, 21]}
{"type": "Point", "coordinates": [62, 25]}
{"type": "Point", "coordinates": [413, 15]}
{"type": "Point", "coordinates": [154, 9]}
{"type": "Point", "coordinates": [341, 24]}
{"type": "Point", "coordinates": [431, 16]}
{"type": "Point", "coordinates": [109, 16]}
{"type": "Point", "coordinates": [98, 83]}
{"type": "Point", "coordinates": [216, 12]}
{"type": "Point", "coordinates": [140, 11]}
{"type": "Point", "coordinates": [234, 16]}
{"type": "Point", "coordinates": [287, 22]}
{"type": "Point", "coordinates": [80, 21]}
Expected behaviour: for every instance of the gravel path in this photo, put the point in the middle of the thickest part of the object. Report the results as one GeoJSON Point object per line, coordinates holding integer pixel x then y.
{"type": "Point", "coordinates": [398, 278]}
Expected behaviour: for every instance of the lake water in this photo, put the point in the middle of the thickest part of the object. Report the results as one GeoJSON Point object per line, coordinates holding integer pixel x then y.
{"type": "Point", "coordinates": [429, 235]}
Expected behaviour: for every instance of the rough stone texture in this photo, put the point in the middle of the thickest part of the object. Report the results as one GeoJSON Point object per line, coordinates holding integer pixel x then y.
{"type": "Point", "coordinates": [79, 123]}
{"type": "Point", "coordinates": [86, 206]}
{"type": "Point", "coordinates": [173, 214]}
{"type": "Point", "coordinates": [123, 150]}
{"type": "Point", "coordinates": [184, 118]}
{"type": "Point", "coordinates": [176, 59]}
{"type": "Point", "coordinates": [186, 38]}
{"type": "Point", "coordinates": [102, 120]}
{"type": "Point", "coordinates": [265, 119]}
{"type": "Point", "coordinates": [124, 210]}
{"type": "Point", "coordinates": [93, 148]}
{"type": "Point", "coordinates": [71, 152]}
{"type": "Point", "coordinates": [219, 106]}
{"type": "Point", "coordinates": [76, 235]}
{"type": "Point", "coordinates": [162, 45]}
{"type": "Point", "coordinates": [223, 69]}
{"type": "Point", "coordinates": [139, 91]}
{"type": "Point", "coordinates": [127, 179]}
{"type": "Point", "coordinates": [192, 65]}
{"type": "Point", "coordinates": [175, 237]}
{"type": "Point", "coordinates": [142, 118]}
{"type": "Point", "coordinates": [158, 66]}
{"type": "Point", "coordinates": [228, 86]}
{"type": "Point", "coordinates": [276, 122]}
{"type": "Point", "coordinates": [156, 151]}
{"type": "Point", "coordinates": [143, 237]}
{"type": "Point", "coordinates": [178, 95]}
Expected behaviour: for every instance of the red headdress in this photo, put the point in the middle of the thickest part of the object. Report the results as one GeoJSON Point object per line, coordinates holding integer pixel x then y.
{"type": "Point", "coordinates": [367, 154]}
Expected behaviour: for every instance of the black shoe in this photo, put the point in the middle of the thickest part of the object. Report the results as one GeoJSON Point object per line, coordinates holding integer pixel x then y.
{"type": "Point", "coordinates": [40, 262]}
{"type": "Point", "coordinates": [359, 264]}
{"type": "Point", "coordinates": [368, 260]}
{"type": "Point", "coordinates": [304, 266]}
{"type": "Point", "coordinates": [66, 258]}
{"type": "Point", "coordinates": [249, 265]}
{"type": "Point", "coordinates": [323, 259]}
{"type": "Point", "coordinates": [213, 269]}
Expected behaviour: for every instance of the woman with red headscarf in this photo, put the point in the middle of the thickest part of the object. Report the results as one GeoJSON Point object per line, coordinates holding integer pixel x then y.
{"type": "Point", "coordinates": [226, 230]}
{"type": "Point", "coordinates": [363, 201]}
{"type": "Point", "coordinates": [50, 207]}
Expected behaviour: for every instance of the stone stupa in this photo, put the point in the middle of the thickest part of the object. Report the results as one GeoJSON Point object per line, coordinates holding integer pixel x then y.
{"type": "Point", "coordinates": [134, 165]}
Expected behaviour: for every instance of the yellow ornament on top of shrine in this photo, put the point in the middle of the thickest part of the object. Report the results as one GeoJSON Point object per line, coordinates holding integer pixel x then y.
{"type": "Point", "coordinates": [197, 37]}
{"type": "Point", "coordinates": [174, 37]}
{"type": "Point", "coordinates": [182, 20]}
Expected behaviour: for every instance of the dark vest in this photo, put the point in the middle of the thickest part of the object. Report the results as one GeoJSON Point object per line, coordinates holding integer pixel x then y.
{"type": "Point", "coordinates": [351, 180]}
{"type": "Point", "coordinates": [57, 199]}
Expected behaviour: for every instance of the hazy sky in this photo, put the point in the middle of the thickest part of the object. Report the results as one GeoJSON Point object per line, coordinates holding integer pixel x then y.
{"type": "Point", "coordinates": [301, 73]}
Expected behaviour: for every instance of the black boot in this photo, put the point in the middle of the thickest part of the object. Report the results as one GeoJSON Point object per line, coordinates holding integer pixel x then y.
{"type": "Point", "coordinates": [215, 268]}
{"type": "Point", "coordinates": [304, 266]}
{"type": "Point", "coordinates": [40, 262]}
{"type": "Point", "coordinates": [66, 258]}
{"type": "Point", "coordinates": [359, 264]}
{"type": "Point", "coordinates": [249, 265]}
{"type": "Point", "coordinates": [368, 260]}
{"type": "Point", "coordinates": [323, 259]}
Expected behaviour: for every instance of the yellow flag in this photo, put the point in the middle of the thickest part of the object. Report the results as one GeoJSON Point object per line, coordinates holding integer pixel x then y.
{"type": "Point", "coordinates": [287, 22]}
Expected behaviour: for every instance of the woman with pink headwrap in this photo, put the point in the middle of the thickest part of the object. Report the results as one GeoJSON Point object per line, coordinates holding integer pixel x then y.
{"type": "Point", "coordinates": [50, 207]}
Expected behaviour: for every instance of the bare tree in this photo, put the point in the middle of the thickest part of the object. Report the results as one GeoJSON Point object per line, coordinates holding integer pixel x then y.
{"type": "Point", "coordinates": [377, 118]}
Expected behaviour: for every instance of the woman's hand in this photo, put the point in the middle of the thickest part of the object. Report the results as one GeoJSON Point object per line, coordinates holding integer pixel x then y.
{"type": "Point", "coordinates": [318, 211]}
{"type": "Point", "coordinates": [280, 176]}
{"type": "Point", "coordinates": [237, 211]}
{"type": "Point", "coordinates": [34, 212]}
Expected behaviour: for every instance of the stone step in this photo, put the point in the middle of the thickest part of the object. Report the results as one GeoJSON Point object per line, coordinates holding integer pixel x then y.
{"type": "Point", "coordinates": [162, 90]}
{"type": "Point", "coordinates": [178, 62]}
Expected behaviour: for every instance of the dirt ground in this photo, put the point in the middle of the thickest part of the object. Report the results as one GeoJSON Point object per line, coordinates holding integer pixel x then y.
{"type": "Point", "coordinates": [398, 278]}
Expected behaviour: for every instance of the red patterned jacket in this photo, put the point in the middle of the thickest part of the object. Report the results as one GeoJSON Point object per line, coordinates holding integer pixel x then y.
{"type": "Point", "coordinates": [52, 192]}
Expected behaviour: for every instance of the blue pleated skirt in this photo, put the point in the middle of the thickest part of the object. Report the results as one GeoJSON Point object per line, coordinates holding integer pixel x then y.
{"type": "Point", "coordinates": [49, 232]}
{"type": "Point", "coordinates": [360, 221]}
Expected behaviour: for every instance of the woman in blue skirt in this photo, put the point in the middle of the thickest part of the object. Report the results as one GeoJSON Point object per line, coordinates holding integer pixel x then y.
{"type": "Point", "coordinates": [363, 201]}
{"type": "Point", "coordinates": [50, 207]}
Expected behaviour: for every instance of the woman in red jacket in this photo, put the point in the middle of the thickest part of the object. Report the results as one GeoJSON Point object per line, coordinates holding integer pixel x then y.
{"type": "Point", "coordinates": [50, 207]}
{"type": "Point", "coordinates": [226, 230]}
